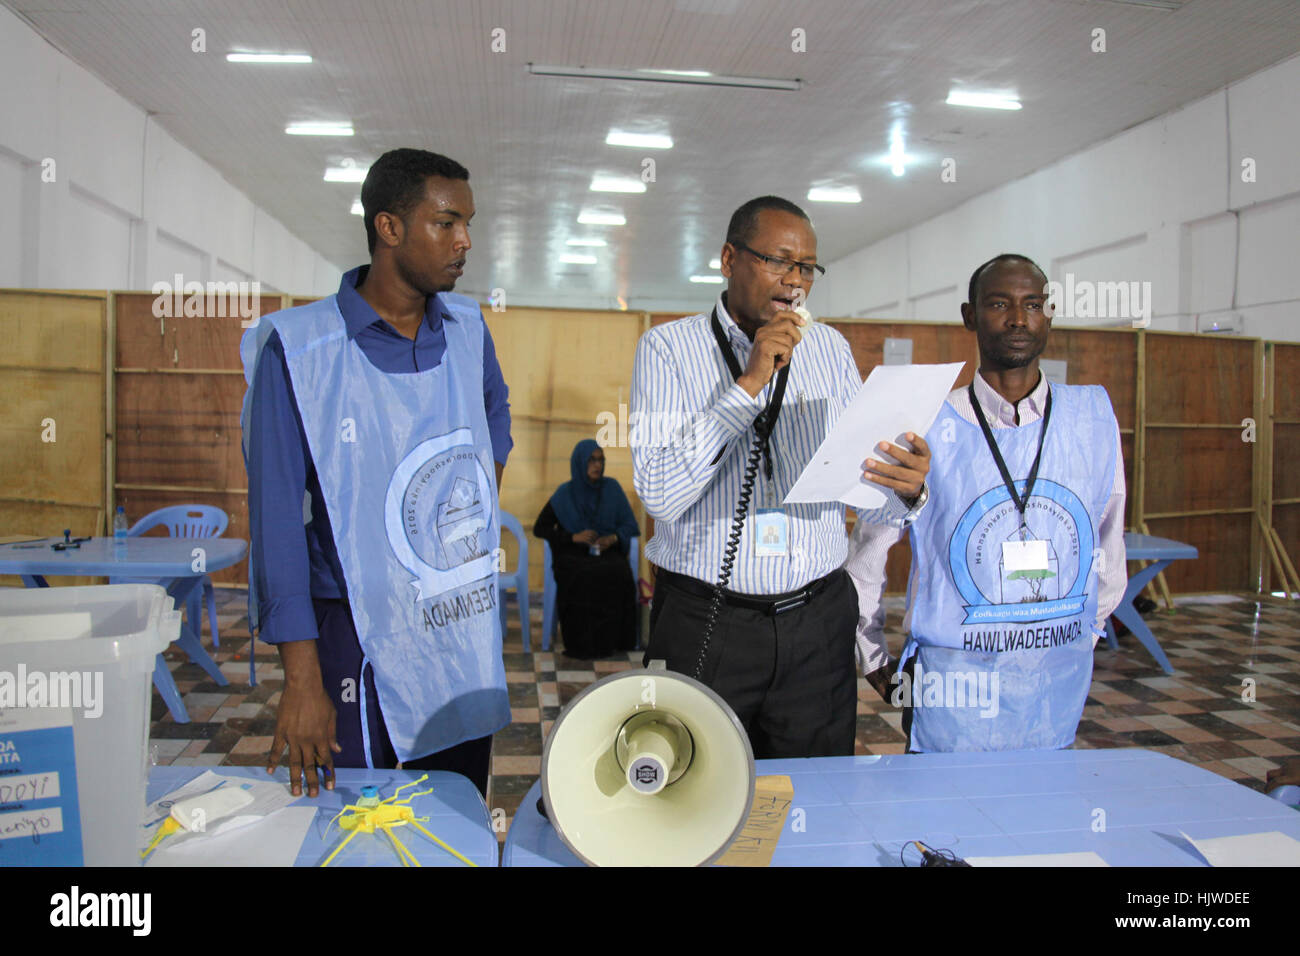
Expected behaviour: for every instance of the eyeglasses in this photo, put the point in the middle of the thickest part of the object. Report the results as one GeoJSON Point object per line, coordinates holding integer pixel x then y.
{"type": "Point", "coordinates": [781, 267]}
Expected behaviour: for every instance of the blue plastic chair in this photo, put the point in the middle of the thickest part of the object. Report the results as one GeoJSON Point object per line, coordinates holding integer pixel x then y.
{"type": "Point", "coordinates": [516, 581]}
{"type": "Point", "coordinates": [548, 592]}
{"type": "Point", "coordinates": [188, 521]}
{"type": "Point", "coordinates": [1289, 794]}
{"type": "Point", "coordinates": [191, 521]}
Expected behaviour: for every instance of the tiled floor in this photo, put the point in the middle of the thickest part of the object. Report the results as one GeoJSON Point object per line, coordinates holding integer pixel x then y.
{"type": "Point", "coordinates": [1232, 706]}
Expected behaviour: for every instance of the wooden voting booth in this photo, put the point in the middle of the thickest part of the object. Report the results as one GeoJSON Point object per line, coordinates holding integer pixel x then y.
{"type": "Point", "coordinates": [146, 412]}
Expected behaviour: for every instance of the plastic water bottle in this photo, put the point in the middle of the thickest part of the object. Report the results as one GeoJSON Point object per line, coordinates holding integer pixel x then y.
{"type": "Point", "coordinates": [119, 528]}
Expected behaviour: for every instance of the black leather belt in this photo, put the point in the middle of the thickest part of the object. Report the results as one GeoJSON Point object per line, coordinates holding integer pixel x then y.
{"type": "Point", "coordinates": [770, 604]}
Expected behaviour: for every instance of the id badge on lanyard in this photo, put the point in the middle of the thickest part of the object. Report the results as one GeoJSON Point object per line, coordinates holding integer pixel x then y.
{"type": "Point", "coordinates": [1025, 554]}
{"type": "Point", "coordinates": [771, 523]}
{"type": "Point", "coordinates": [771, 528]}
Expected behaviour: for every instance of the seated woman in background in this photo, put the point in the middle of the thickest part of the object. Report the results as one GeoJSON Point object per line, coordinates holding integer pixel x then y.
{"type": "Point", "coordinates": [590, 525]}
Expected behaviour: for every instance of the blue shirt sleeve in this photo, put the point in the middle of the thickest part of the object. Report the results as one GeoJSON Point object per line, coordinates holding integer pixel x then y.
{"type": "Point", "coordinates": [496, 401]}
{"type": "Point", "coordinates": [278, 462]}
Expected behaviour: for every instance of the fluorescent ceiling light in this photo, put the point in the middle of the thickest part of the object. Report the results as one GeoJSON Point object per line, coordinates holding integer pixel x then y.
{"type": "Point", "coordinates": [593, 217]}
{"type": "Point", "coordinates": [593, 243]}
{"type": "Point", "coordinates": [346, 174]}
{"type": "Point", "coordinates": [577, 259]}
{"type": "Point", "coordinates": [834, 194]}
{"type": "Point", "coordinates": [618, 137]}
{"type": "Point", "coordinates": [319, 129]}
{"type": "Point", "coordinates": [696, 77]}
{"type": "Point", "coordinates": [897, 157]}
{"type": "Point", "coordinates": [268, 58]}
{"type": "Point", "coordinates": [707, 280]}
{"type": "Point", "coordinates": [1157, 4]}
{"type": "Point", "coordinates": [616, 184]}
{"type": "Point", "coordinates": [715, 263]}
{"type": "Point", "coordinates": [988, 101]}
{"type": "Point", "coordinates": [357, 208]}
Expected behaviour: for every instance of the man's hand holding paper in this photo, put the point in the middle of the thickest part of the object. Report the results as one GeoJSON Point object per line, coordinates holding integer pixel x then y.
{"type": "Point", "coordinates": [896, 400]}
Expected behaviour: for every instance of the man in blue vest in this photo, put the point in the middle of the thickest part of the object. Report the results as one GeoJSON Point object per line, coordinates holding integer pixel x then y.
{"type": "Point", "coordinates": [1019, 558]}
{"type": "Point", "coordinates": [377, 420]}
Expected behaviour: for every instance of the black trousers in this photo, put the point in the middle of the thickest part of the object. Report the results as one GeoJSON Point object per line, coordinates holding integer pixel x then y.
{"type": "Point", "coordinates": [791, 678]}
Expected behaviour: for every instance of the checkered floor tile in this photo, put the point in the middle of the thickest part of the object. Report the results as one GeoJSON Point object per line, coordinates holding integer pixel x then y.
{"type": "Point", "coordinates": [1231, 706]}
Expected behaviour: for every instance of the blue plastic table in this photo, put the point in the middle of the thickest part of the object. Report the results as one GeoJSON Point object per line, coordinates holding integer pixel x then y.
{"type": "Point", "coordinates": [859, 811]}
{"type": "Point", "coordinates": [168, 562]}
{"type": "Point", "coordinates": [457, 815]}
{"type": "Point", "coordinates": [1163, 552]}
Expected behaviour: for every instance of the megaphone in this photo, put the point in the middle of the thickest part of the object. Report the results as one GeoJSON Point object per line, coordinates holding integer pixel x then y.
{"type": "Point", "coordinates": [647, 768]}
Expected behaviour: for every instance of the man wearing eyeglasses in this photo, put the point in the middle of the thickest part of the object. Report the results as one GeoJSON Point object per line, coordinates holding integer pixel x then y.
{"type": "Point", "coordinates": [777, 643]}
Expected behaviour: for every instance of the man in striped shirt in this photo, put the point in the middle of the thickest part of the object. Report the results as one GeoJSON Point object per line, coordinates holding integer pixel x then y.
{"type": "Point", "coordinates": [781, 650]}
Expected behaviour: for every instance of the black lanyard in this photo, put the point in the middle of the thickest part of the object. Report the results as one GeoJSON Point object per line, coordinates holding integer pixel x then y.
{"type": "Point", "coordinates": [997, 455]}
{"type": "Point", "coordinates": [765, 423]}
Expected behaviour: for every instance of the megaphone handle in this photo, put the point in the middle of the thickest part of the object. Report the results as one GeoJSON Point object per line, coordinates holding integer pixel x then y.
{"type": "Point", "coordinates": [732, 546]}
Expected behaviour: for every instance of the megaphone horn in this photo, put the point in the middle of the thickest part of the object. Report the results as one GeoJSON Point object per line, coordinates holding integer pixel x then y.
{"type": "Point", "coordinates": [647, 768]}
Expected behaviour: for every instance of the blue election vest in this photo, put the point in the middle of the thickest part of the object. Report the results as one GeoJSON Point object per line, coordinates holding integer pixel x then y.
{"type": "Point", "coordinates": [405, 467]}
{"type": "Point", "coordinates": [1004, 655]}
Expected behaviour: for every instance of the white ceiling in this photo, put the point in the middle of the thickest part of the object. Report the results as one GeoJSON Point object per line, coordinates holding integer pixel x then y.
{"type": "Point", "coordinates": [422, 73]}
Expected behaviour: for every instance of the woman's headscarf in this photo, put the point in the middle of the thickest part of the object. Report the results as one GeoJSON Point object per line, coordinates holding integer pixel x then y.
{"type": "Point", "coordinates": [601, 505]}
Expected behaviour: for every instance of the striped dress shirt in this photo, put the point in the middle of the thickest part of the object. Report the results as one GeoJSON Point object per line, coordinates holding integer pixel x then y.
{"type": "Point", "coordinates": [870, 544]}
{"type": "Point", "coordinates": [692, 430]}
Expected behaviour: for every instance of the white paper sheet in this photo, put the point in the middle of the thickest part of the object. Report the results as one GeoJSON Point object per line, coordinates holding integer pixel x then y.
{"type": "Point", "coordinates": [268, 797]}
{"type": "Point", "coordinates": [272, 841]}
{"type": "Point", "coordinates": [1087, 858]}
{"type": "Point", "coordinates": [894, 400]}
{"type": "Point", "coordinates": [1249, 849]}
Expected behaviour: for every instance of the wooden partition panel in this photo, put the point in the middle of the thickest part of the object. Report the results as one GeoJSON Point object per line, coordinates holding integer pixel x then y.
{"type": "Point", "coordinates": [178, 386]}
{"type": "Point", "coordinates": [52, 380]}
{"type": "Point", "coordinates": [1281, 493]}
{"type": "Point", "coordinates": [1199, 456]}
{"type": "Point", "coordinates": [569, 374]}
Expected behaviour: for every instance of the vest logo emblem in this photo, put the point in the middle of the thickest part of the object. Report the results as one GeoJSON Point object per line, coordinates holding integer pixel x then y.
{"type": "Point", "coordinates": [438, 514]}
{"type": "Point", "coordinates": [995, 593]}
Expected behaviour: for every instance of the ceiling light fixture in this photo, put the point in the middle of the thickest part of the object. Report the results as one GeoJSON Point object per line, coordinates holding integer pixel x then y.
{"type": "Point", "coordinates": [987, 101]}
{"type": "Point", "coordinates": [693, 77]}
{"type": "Point", "coordinates": [594, 217]}
{"type": "Point", "coordinates": [357, 208]}
{"type": "Point", "coordinates": [619, 137]}
{"type": "Point", "coordinates": [319, 129]}
{"type": "Point", "coordinates": [707, 280]}
{"type": "Point", "coordinates": [615, 184]}
{"type": "Point", "coordinates": [346, 174]}
{"type": "Point", "coordinates": [897, 156]}
{"type": "Point", "coordinates": [593, 243]}
{"type": "Point", "coordinates": [715, 263]}
{"type": "Point", "coordinates": [268, 58]}
{"type": "Point", "coordinates": [1154, 4]}
{"type": "Point", "coordinates": [578, 260]}
{"type": "Point", "coordinates": [834, 194]}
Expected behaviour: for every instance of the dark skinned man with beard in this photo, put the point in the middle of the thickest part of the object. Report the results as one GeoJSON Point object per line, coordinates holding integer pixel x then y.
{"type": "Point", "coordinates": [703, 389]}
{"type": "Point", "coordinates": [377, 419]}
{"type": "Point", "coordinates": [1019, 557]}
